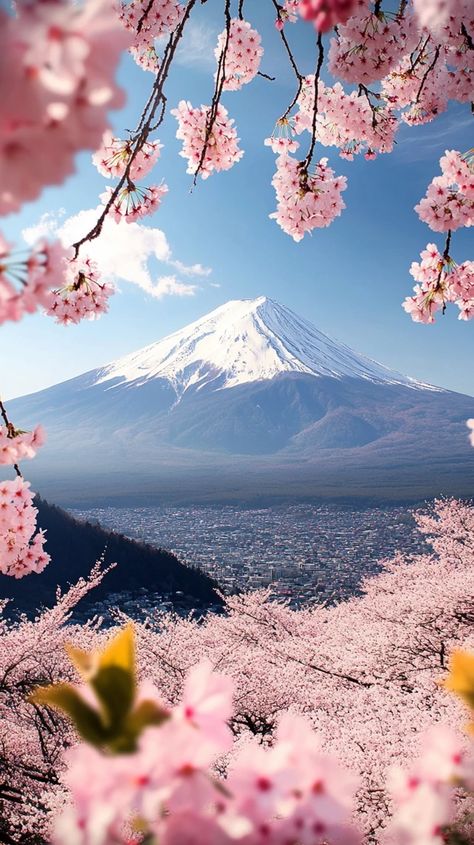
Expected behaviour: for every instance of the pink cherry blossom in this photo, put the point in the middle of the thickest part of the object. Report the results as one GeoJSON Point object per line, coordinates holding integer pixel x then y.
{"type": "Point", "coordinates": [424, 795]}
{"type": "Point", "coordinates": [306, 201]}
{"type": "Point", "coordinates": [222, 150]}
{"type": "Point", "coordinates": [449, 200]}
{"type": "Point", "coordinates": [408, 85]}
{"type": "Point", "coordinates": [355, 122]}
{"type": "Point", "coordinates": [134, 202]}
{"type": "Point", "coordinates": [324, 14]}
{"type": "Point", "coordinates": [112, 158]}
{"type": "Point", "coordinates": [60, 60]}
{"type": "Point", "coordinates": [16, 445]}
{"type": "Point", "coordinates": [441, 281]}
{"type": "Point", "coordinates": [149, 22]}
{"type": "Point", "coordinates": [26, 278]}
{"type": "Point", "coordinates": [243, 54]}
{"type": "Point", "coordinates": [21, 553]}
{"type": "Point", "coordinates": [368, 47]}
{"type": "Point", "coordinates": [82, 296]}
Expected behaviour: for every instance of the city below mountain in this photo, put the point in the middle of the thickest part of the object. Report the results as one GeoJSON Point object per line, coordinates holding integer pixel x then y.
{"type": "Point", "coordinates": [142, 575]}
{"type": "Point", "coordinates": [249, 403]}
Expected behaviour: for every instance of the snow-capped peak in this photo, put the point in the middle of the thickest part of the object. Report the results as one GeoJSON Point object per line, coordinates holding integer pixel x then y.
{"type": "Point", "coordinates": [247, 340]}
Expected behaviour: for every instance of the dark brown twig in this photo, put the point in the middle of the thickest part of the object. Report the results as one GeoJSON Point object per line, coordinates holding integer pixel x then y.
{"type": "Point", "coordinates": [299, 76]}
{"type": "Point", "coordinates": [427, 73]}
{"type": "Point", "coordinates": [146, 125]}
{"type": "Point", "coordinates": [219, 87]}
{"type": "Point", "coordinates": [317, 75]}
{"type": "Point", "coordinates": [10, 432]}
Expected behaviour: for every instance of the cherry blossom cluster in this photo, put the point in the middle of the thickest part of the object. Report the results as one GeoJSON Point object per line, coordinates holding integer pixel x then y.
{"type": "Point", "coordinates": [324, 14]}
{"type": "Point", "coordinates": [424, 795]}
{"type": "Point", "coordinates": [21, 553]}
{"type": "Point", "coordinates": [206, 149]}
{"type": "Point", "coordinates": [371, 703]}
{"type": "Point", "coordinates": [288, 13]}
{"type": "Point", "coordinates": [26, 279]}
{"type": "Point", "coordinates": [444, 18]}
{"type": "Point", "coordinates": [133, 202]}
{"type": "Point", "coordinates": [16, 445]}
{"type": "Point", "coordinates": [60, 60]}
{"type": "Point", "coordinates": [243, 54]}
{"type": "Point", "coordinates": [306, 200]}
{"type": "Point", "coordinates": [349, 121]}
{"type": "Point", "coordinates": [290, 792]}
{"type": "Point", "coordinates": [83, 296]}
{"type": "Point", "coordinates": [440, 281]}
{"type": "Point", "coordinates": [367, 48]}
{"type": "Point", "coordinates": [449, 200]}
{"type": "Point", "coordinates": [148, 22]}
{"type": "Point", "coordinates": [407, 85]}
{"type": "Point", "coordinates": [114, 156]}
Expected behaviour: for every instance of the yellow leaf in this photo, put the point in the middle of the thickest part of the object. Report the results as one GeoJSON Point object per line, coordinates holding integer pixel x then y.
{"type": "Point", "coordinates": [84, 661]}
{"type": "Point", "coordinates": [119, 651]}
{"type": "Point", "coordinates": [461, 676]}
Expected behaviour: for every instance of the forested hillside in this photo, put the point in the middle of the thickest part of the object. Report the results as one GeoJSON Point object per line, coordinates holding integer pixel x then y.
{"type": "Point", "coordinates": [75, 547]}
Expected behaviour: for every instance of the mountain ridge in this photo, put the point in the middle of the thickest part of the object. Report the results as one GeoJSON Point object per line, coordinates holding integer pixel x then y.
{"type": "Point", "coordinates": [249, 400]}
{"type": "Point", "coordinates": [244, 341]}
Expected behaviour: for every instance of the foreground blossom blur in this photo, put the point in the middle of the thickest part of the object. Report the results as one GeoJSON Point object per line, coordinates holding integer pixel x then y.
{"type": "Point", "coordinates": [288, 792]}
{"type": "Point", "coordinates": [59, 59]}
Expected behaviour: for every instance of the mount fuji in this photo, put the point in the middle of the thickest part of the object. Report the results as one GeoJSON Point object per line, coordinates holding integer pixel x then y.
{"type": "Point", "coordinates": [251, 402]}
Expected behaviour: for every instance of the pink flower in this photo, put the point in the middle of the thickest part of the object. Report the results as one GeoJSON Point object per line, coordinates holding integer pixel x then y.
{"type": "Point", "coordinates": [134, 202]}
{"type": "Point", "coordinates": [243, 54]}
{"type": "Point", "coordinates": [83, 295]}
{"type": "Point", "coordinates": [306, 201]}
{"type": "Point", "coordinates": [207, 704]}
{"type": "Point", "coordinates": [449, 200]}
{"type": "Point", "coordinates": [325, 14]}
{"type": "Point", "coordinates": [222, 148]}
{"type": "Point", "coordinates": [20, 552]}
{"type": "Point", "coordinates": [26, 281]}
{"type": "Point", "coordinates": [368, 46]}
{"type": "Point", "coordinates": [60, 60]}
{"type": "Point", "coordinates": [112, 158]}
{"type": "Point", "coordinates": [17, 445]}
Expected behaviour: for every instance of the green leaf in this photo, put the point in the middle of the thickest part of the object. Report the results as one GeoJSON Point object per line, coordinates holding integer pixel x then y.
{"type": "Point", "coordinates": [64, 697]}
{"type": "Point", "coordinates": [115, 689]}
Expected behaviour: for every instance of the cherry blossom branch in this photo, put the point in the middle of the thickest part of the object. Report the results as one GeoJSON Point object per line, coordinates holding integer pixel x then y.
{"type": "Point", "coordinates": [298, 74]}
{"type": "Point", "coordinates": [10, 432]}
{"type": "Point", "coordinates": [219, 87]}
{"type": "Point", "coordinates": [146, 125]}
{"type": "Point", "coordinates": [368, 94]}
{"type": "Point", "coordinates": [419, 52]}
{"type": "Point", "coordinates": [446, 259]}
{"type": "Point", "coordinates": [317, 75]}
{"type": "Point", "coordinates": [427, 73]}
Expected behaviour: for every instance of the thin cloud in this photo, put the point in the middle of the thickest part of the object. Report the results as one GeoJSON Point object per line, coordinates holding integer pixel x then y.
{"type": "Point", "coordinates": [197, 47]}
{"type": "Point", "coordinates": [171, 286]}
{"type": "Point", "coordinates": [123, 251]}
{"type": "Point", "coordinates": [190, 270]}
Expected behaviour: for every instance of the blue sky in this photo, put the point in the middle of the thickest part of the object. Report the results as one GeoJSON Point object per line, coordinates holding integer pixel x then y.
{"type": "Point", "coordinates": [348, 279]}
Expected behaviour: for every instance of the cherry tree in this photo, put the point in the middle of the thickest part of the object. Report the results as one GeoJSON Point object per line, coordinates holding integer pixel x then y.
{"type": "Point", "coordinates": [364, 674]}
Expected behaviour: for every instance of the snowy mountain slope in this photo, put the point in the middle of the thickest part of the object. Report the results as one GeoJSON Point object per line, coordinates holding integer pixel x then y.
{"type": "Point", "coordinates": [249, 400]}
{"type": "Point", "coordinates": [245, 341]}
